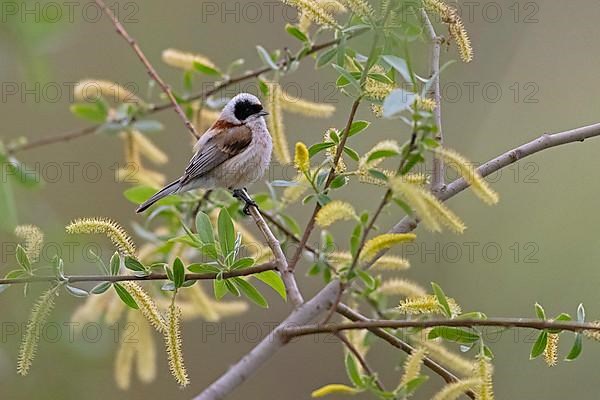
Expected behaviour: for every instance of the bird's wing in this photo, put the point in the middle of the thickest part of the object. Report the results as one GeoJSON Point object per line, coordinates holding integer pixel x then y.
{"type": "Point", "coordinates": [220, 147]}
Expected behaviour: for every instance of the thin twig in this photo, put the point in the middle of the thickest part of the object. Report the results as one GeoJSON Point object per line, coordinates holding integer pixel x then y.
{"type": "Point", "coordinates": [360, 358]}
{"type": "Point", "coordinates": [283, 62]}
{"type": "Point", "coordinates": [269, 266]}
{"type": "Point", "coordinates": [151, 71]}
{"type": "Point", "coordinates": [529, 323]}
{"type": "Point", "coordinates": [438, 174]}
{"type": "Point", "coordinates": [287, 275]}
{"type": "Point", "coordinates": [434, 366]}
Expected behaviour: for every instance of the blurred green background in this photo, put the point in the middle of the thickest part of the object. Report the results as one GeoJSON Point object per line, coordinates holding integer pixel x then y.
{"type": "Point", "coordinates": [539, 244]}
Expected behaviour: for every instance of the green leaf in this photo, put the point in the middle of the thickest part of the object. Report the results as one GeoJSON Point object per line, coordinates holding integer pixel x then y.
{"type": "Point", "coordinates": [226, 232]}
{"type": "Point", "coordinates": [206, 69]}
{"type": "Point", "coordinates": [272, 279]}
{"type": "Point", "coordinates": [204, 228]}
{"type": "Point", "coordinates": [77, 292]}
{"type": "Point", "coordinates": [266, 57]}
{"type": "Point", "coordinates": [133, 264]}
{"type": "Point", "coordinates": [245, 262]}
{"type": "Point", "coordinates": [400, 65]}
{"type": "Point", "coordinates": [93, 112]}
{"type": "Point", "coordinates": [441, 298]}
{"type": "Point", "coordinates": [251, 292]}
{"type": "Point", "coordinates": [411, 386]}
{"type": "Point", "coordinates": [203, 268]}
{"type": "Point", "coordinates": [100, 288]}
{"type": "Point", "coordinates": [317, 148]}
{"type": "Point", "coordinates": [540, 345]}
{"type": "Point", "coordinates": [347, 76]}
{"type": "Point", "coordinates": [297, 33]}
{"type": "Point", "coordinates": [23, 259]}
{"type": "Point", "coordinates": [453, 334]}
{"type": "Point", "coordinates": [178, 272]}
{"type": "Point", "coordinates": [397, 101]}
{"type": "Point", "coordinates": [352, 153]}
{"type": "Point", "coordinates": [576, 349]}
{"type": "Point", "coordinates": [539, 311]}
{"type": "Point", "coordinates": [125, 296]}
{"type": "Point", "coordinates": [325, 57]}
{"type": "Point", "coordinates": [219, 288]}
{"type": "Point", "coordinates": [357, 127]}
{"type": "Point", "coordinates": [376, 155]}
{"type": "Point", "coordinates": [338, 182]}
{"type": "Point", "coordinates": [352, 371]}
{"type": "Point", "coordinates": [115, 264]}
{"type": "Point", "coordinates": [366, 278]}
{"type": "Point", "coordinates": [378, 174]}
{"type": "Point", "coordinates": [580, 313]}
{"type": "Point", "coordinates": [148, 126]}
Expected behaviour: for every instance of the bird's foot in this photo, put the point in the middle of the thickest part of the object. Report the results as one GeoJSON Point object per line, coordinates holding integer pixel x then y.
{"type": "Point", "coordinates": [242, 195]}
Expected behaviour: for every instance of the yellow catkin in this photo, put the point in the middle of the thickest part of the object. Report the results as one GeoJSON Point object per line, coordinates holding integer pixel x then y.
{"type": "Point", "coordinates": [427, 304]}
{"type": "Point", "coordinates": [124, 365]}
{"type": "Point", "coordinates": [114, 309]}
{"type": "Point", "coordinates": [173, 344]}
{"type": "Point", "coordinates": [117, 235]}
{"type": "Point", "coordinates": [483, 371]}
{"type": "Point", "coordinates": [359, 7]}
{"type": "Point", "coordinates": [365, 177]}
{"type": "Point", "coordinates": [593, 334]}
{"type": "Point", "coordinates": [91, 89]}
{"type": "Point", "coordinates": [448, 358]}
{"type": "Point", "coordinates": [457, 30]}
{"type": "Point", "coordinates": [416, 179]}
{"type": "Point", "coordinates": [430, 210]}
{"type": "Point", "coordinates": [275, 123]}
{"type": "Point", "coordinates": [425, 103]}
{"type": "Point", "coordinates": [453, 391]}
{"type": "Point", "coordinates": [301, 158]}
{"type": "Point", "coordinates": [292, 194]}
{"type": "Point", "coordinates": [330, 6]}
{"type": "Point", "coordinates": [314, 11]}
{"type": "Point", "coordinates": [146, 305]}
{"type": "Point", "coordinates": [149, 149]}
{"type": "Point", "coordinates": [384, 263]}
{"type": "Point", "coordinates": [401, 287]}
{"type": "Point", "coordinates": [34, 240]}
{"type": "Point", "coordinates": [38, 317]}
{"type": "Point", "coordinates": [551, 350]}
{"type": "Point", "coordinates": [383, 242]}
{"type": "Point", "coordinates": [334, 388]}
{"type": "Point", "coordinates": [185, 60]}
{"type": "Point", "coordinates": [412, 365]}
{"type": "Point", "coordinates": [335, 211]}
{"type": "Point", "coordinates": [304, 107]}
{"type": "Point", "coordinates": [466, 169]}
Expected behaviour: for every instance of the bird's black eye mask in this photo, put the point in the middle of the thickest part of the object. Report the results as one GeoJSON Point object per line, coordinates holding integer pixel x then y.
{"type": "Point", "coordinates": [245, 108]}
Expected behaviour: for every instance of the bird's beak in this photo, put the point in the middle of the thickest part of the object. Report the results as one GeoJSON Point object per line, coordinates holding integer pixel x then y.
{"type": "Point", "coordinates": [262, 113]}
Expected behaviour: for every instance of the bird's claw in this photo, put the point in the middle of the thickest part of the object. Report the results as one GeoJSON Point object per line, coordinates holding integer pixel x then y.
{"type": "Point", "coordinates": [242, 195]}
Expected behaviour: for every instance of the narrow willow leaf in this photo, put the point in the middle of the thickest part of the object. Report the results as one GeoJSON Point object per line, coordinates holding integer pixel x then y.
{"type": "Point", "coordinates": [540, 345]}
{"type": "Point", "coordinates": [178, 273]}
{"type": "Point", "coordinates": [453, 334]}
{"type": "Point", "coordinates": [272, 279]}
{"type": "Point", "coordinates": [125, 296]}
{"type": "Point", "coordinates": [133, 264]}
{"type": "Point", "coordinates": [100, 288]}
{"type": "Point", "coordinates": [441, 298]}
{"type": "Point", "coordinates": [251, 292]}
{"type": "Point", "coordinates": [352, 371]}
{"type": "Point", "coordinates": [204, 228]}
{"type": "Point", "coordinates": [226, 232]}
{"type": "Point", "coordinates": [219, 288]}
{"type": "Point", "coordinates": [576, 349]}
{"type": "Point", "coordinates": [539, 311]}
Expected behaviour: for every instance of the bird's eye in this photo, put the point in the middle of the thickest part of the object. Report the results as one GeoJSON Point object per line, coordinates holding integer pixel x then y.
{"type": "Point", "coordinates": [245, 109]}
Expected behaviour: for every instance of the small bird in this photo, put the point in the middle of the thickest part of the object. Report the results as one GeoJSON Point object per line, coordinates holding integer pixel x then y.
{"type": "Point", "coordinates": [234, 152]}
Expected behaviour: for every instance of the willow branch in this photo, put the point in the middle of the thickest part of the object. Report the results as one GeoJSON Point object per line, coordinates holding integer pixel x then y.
{"type": "Point", "coordinates": [287, 275]}
{"type": "Point", "coordinates": [544, 142]}
{"type": "Point", "coordinates": [149, 68]}
{"type": "Point", "coordinates": [152, 277]}
{"type": "Point", "coordinates": [259, 355]}
{"type": "Point", "coordinates": [446, 375]}
{"type": "Point", "coordinates": [529, 323]}
{"type": "Point", "coordinates": [437, 177]}
{"type": "Point", "coordinates": [282, 63]}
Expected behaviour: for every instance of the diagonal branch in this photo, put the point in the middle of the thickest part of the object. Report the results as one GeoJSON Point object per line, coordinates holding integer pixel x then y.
{"type": "Point", "coordinates": [151, 71]}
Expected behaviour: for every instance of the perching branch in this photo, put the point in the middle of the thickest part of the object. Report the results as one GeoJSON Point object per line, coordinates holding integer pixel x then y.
{"type": "Point", "coordinates": [529, 323]}
{"type": "Point", "coordinates": [151, 71]}
{"type": "Point", "coordinates": [291, 287]}
{"type": "Point", "coordinates": [269, 266]}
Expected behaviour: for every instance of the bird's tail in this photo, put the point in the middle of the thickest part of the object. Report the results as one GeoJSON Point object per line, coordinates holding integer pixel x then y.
{"type": "Point", "coordinates": [164, 192]}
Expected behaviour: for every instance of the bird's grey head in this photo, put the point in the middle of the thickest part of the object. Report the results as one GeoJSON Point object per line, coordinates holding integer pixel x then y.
{"type": "Point", "coordinates": [243, 108]}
